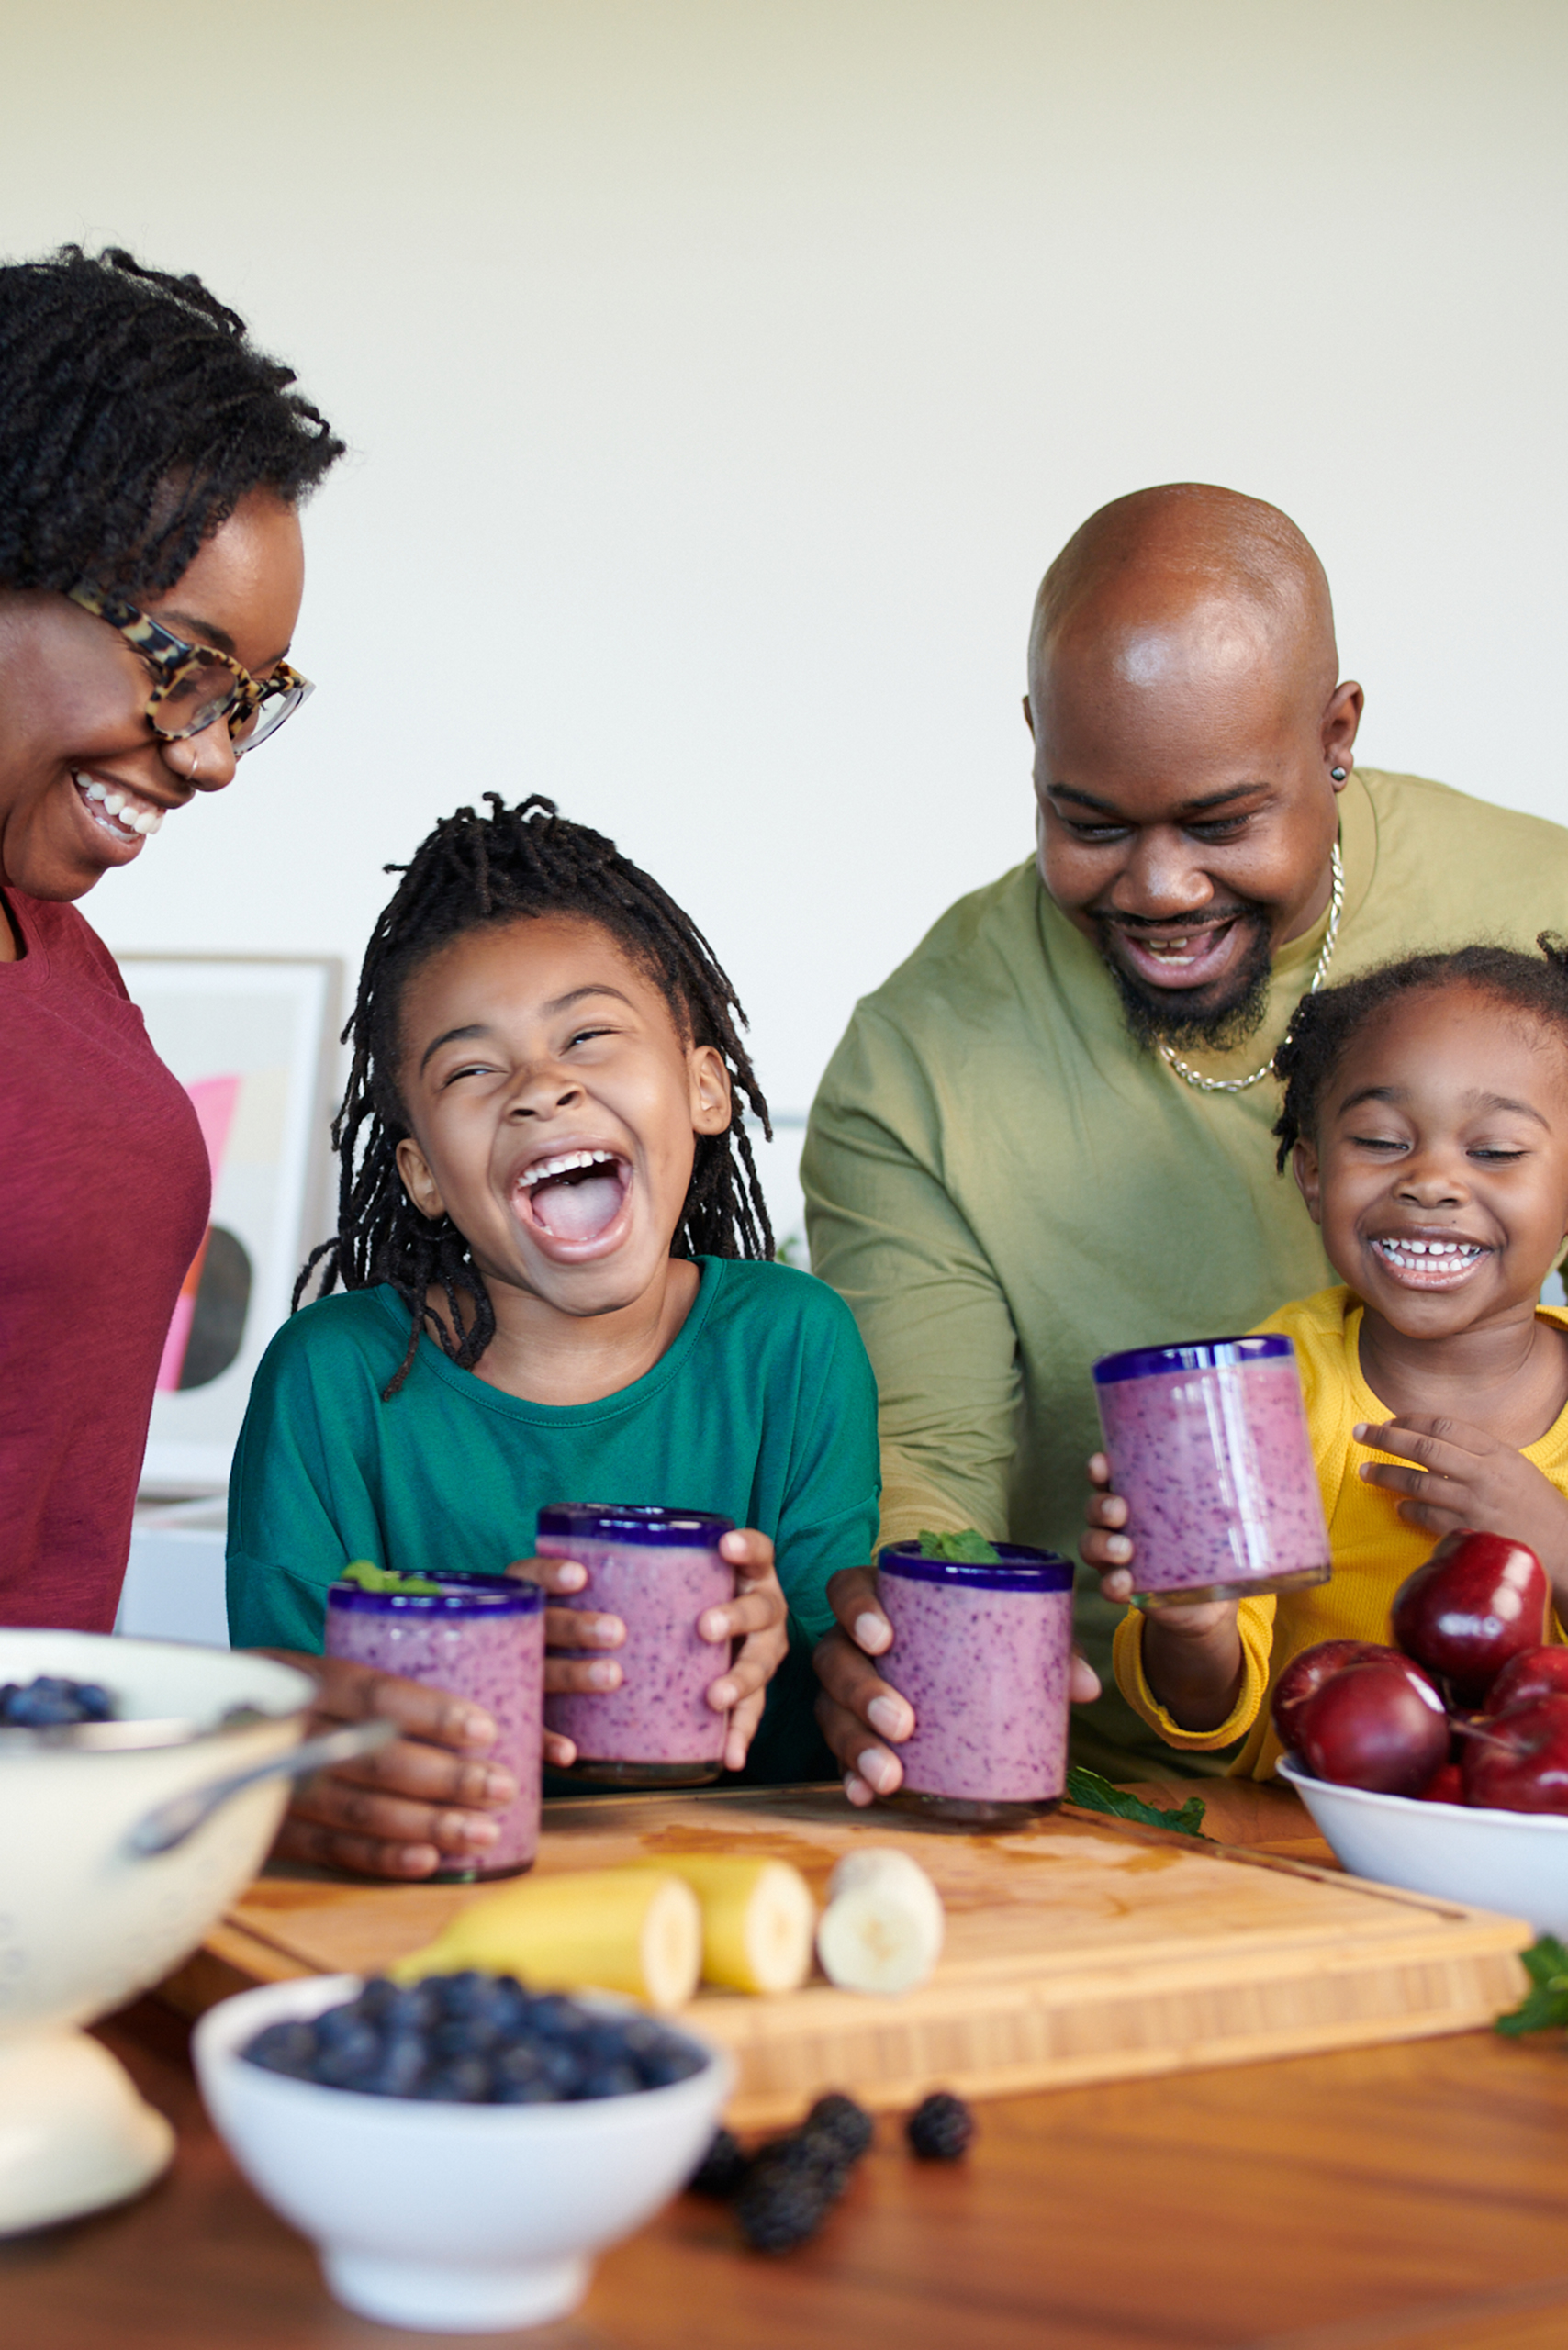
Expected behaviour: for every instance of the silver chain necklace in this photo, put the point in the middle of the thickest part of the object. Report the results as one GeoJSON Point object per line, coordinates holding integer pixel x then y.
{"type": "Point", "coordinates": [1241, 1084]}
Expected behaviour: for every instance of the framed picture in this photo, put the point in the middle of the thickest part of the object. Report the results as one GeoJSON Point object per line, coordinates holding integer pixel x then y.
{"type": "Point", "coordinates": [252, 1040]}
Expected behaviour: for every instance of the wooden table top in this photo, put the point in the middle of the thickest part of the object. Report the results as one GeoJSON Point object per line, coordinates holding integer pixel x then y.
{"type": "Point", "coordinates": [1406, 2197]}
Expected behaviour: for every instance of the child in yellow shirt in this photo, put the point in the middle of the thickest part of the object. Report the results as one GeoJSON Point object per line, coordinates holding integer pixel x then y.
{"type": "Point", "coordinates": [1426, 1120]}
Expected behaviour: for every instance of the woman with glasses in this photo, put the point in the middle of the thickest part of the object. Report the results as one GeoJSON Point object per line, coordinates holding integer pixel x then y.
{"type": "Point", "coordinates": [153, 462]}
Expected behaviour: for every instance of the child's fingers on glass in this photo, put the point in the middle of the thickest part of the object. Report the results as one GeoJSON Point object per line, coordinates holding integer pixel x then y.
{"type": "Point", "coordinates": [581, 1676]}
{"type": "Point", "coordinates": [349, 1692]}
{"type": "Point", "coordinates": [1099, 1468]}
{"type": "Point", "coordinates": [756, 1607]}
{"type": "Point", "coordinates": [574, 1627]}
{"type": "Point", "coordinates": [1105, 1509]}
{"type": "Point", "coordinates": [551, 1575]}
{"type": "Point", "coordinates": [431, 1774]}
{"type": "Point", "coordinates": [559, 1753]}
{"type": "Point", "coordinates": [1082, 1681]}
{"type": "Point", "coordinates": [742, 1730]}
{"type": "Point", "coordinates": [330, 1802]}
{"type": "Point", "coordinates": [329, 1848]}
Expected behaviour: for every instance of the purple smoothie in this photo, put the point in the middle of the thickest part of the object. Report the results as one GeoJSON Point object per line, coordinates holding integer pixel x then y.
{"type": "Point", "coordinates": [981, 1652]}
{"type": "Point", "coordinates": [1208, 1445]}
{"type": "Point", "coordinates": [483, 1638]}
{"type": "Point", "coordinates": [659, 1570]}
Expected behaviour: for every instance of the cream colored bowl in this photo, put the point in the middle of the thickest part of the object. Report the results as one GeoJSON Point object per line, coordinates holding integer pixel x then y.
{"type": "Point", "coordinates": [85, 1920]}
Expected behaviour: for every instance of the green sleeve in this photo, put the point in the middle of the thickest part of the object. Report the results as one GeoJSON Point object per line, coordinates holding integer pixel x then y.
{"type": "Point", "coordinates": [829, 1516]}
{"type": "Point", "coordinates": [931, 1311]}
{"type": "Point", "coordinates": [298, 1505]}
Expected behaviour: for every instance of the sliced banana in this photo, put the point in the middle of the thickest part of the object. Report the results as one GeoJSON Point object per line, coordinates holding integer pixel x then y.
{"type": "Point", "coordinates": [882, 1928]}
{"type": "Point", "coordinates": [757, 1918]}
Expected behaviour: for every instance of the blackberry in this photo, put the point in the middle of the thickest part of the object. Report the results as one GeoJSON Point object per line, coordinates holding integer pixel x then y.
{"type": "Point", "coordinates": [721, 2168]}
{"type": "Point", "coordinates": [839, 2128]}
{"type": "Point", "coordinates": [780, 2202]}
{"type": "Point", "coordinates": [940, 2128]}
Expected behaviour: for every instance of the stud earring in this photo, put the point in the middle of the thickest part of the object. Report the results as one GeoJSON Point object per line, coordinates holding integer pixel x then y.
{"type": "Point", "coordinates": [1338, 774]}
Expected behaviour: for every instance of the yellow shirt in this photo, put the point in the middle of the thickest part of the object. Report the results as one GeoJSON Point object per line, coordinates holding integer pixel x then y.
{"type": "Point", "coordinates": [1372, 1548]}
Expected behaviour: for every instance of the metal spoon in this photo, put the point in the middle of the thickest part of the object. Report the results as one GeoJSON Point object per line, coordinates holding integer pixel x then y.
{"type": "Point", "coordinates": [172, 1822]}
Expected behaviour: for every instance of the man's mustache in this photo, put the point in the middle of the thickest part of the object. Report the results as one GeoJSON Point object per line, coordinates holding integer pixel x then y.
{"type": "Point", "coordinates": [1185, 923]}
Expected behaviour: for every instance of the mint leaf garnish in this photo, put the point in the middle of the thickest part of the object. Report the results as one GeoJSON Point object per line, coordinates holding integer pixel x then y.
{"type": "Point", "coordinates": [968, 1548]}
{"type": "Point", "coordinates": [374, 1578]}
{"type": "Point", "coordinates": [1091, 1792]}
{"type": "Point", "coordinates": [1545, 2004]}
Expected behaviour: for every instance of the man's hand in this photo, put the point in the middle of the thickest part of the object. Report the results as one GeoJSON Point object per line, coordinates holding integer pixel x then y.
{"type": "Point", "coordinates": [421, 1801]}
{"type": "Point", "coordinates": [858, 1709]}
{"type": "Point", "coordinates": [1465, 1477]}
{"type": "Point", "coordinates": [756, 1618]}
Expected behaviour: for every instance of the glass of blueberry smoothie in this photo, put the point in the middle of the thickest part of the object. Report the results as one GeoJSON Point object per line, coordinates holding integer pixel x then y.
{"type": "Point", "coordinates": [1208, 1447]}
{"type": "Point", "coordinates": [982, 1648]}
{"type": "Point", "coordinates": [659, 1570]}
{"type": "Point", "coordinates": [482, 1637]}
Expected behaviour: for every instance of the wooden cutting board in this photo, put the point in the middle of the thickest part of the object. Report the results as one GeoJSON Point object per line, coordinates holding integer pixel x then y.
{"type": "Point", "coordinates": [1080, 1949]}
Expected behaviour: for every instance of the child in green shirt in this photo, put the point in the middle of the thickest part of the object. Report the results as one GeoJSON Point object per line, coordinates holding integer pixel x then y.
{"type": "Point", "coordinates": [560, 1289]}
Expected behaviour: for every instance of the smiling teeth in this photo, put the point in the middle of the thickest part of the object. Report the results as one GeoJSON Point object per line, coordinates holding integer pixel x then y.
{"type": "Point", "coordinates": [1407, 1256]}
{"type": "Point", "coordinates": [544, 1170]}
{"type": "Point", "coordinates": [128, 815]}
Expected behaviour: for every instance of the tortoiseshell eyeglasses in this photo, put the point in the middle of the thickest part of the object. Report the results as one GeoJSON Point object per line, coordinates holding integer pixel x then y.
{"type": "Point", "coordinates": [194, 684]}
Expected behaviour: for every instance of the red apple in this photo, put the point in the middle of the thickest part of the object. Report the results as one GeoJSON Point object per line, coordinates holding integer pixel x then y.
{"type": "Point", "coordinates": [1379, 1725]}
{"type": "Point", "coordinates": [1479, 1600]}
{"type": "Point", "coordinates": [1520, 1761]}
{"type": "Point", "coordinates": [1445, 1785]}
{"type": "Point", "coordinates": [1539, 1672]}
{"type": "Point", "coordinates": [1306, 1674]}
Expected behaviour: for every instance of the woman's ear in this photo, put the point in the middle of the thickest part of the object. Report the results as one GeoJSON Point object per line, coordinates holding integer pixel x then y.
{"type": "Point", "coordinates": [418, 1182]}
{"type": "Point", "coordinates": [1309, 1183]}
{"type": "Point", "coordinates": [711, 1104]}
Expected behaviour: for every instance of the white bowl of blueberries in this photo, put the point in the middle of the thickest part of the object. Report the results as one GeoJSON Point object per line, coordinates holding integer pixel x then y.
{"type": "Point", "coordinates": [457, 2148]}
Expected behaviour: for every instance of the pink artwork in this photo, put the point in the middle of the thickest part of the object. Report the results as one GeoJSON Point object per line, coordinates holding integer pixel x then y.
{"type": "Point", "coordinates": [214, 1099]}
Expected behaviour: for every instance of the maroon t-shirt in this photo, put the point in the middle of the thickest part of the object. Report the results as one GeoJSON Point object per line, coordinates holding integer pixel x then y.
{"type": "Point", "coordinates": [104, 1198]}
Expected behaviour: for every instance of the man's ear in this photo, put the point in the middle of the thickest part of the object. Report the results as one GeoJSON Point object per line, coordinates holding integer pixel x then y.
{"type": "Point", "coordinates": [1029, 717]}
{"type": "Point", "coordinates": [711, 1104]}
{"type": "Point", "coordinates": [1304, 1166]}
{"type": "Point", "coordinates": [1341, 721]}
{"type": "Point", "coordinates": [418, 1182]}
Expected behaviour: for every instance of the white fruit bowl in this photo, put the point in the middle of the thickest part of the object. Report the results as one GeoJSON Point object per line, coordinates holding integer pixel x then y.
{"type": "Point", "coordinates": [86, 1921]}
{"type": "Point", "coordinates": [458, 2219]}
{"type": "Point", "coordinates": [1513, 1860]}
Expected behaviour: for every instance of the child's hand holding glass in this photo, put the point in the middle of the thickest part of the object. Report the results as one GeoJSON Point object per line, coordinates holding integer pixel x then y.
{"type": "Point", "coordinates": [756, 1618]}
{"type": "Point", "coordinates": [1192, 1649]}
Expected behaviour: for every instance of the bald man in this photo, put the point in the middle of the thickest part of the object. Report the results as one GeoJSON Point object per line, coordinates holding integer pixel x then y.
{"type": "Point", "coordinates": [1046, 1137]}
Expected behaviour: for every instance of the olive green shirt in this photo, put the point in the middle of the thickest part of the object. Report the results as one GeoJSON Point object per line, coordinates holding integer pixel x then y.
{"type": "Point", "coordinates": [1004, 1185]}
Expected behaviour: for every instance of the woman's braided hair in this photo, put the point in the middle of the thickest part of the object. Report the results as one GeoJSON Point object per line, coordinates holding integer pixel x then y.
{"type": "Point", "coordinates": [470, 872]}
{"type": "Point", "coordinates": [135, 414]}
{"type": "Point", "coordinates": [1322, 1025]}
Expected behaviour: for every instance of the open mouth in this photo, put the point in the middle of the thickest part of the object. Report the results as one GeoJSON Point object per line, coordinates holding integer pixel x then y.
{"type": "Point", "coordinates": [574, 1198]}
{"type": "Point", "coordinates": [1194, 957]}
{"type": "Point", "coordinates": [1429, 1264]}
{"type": "Point", "coordinates": [116, 812]}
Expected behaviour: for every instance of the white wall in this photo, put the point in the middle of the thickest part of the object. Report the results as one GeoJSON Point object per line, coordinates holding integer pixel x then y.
{"type": "Point", "coordinates": [721, 378]}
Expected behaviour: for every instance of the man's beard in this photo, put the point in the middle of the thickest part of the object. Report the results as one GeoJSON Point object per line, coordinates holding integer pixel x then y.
{"type": "Point", "coordinates": [1165, 1015]}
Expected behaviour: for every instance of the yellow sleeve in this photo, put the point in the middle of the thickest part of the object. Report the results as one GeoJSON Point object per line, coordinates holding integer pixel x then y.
{"type": "Point", "coordinates": [1255, 1622]}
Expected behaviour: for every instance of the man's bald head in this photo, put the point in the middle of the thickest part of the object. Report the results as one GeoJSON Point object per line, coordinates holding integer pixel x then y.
{"type": "Point", "coordinates": [1188, 561]}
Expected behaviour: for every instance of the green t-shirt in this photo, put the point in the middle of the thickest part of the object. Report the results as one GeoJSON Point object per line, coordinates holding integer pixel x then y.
{"type": "Point", "coordinates": [762, 1408]}
{"type": "Point", "coordinates": [1005, 1185]}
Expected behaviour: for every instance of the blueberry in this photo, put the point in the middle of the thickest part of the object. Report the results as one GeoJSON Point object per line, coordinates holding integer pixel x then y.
{"type": "Point", "coordinates": [351, 2054]}
{"type": "Point", "coordinates": [661, 2066]}
{"type": "Point", "coordinates": [284, 2048]}
{"type": "Point", "coordinates": [467, 1994]}
{"type": "Point", "coordinates": [403, 2062]}
{"type": "Point", "coordinates": [551, 2017]}
{"type": "Point", "coordinates": [559, 2066]}
{"type": "Point", "coordinates": [462, 2080]}
{"type": "Point", "coordinates": [464, 2036]}
{"type": "Point", "coordinates": [610, 2080]}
